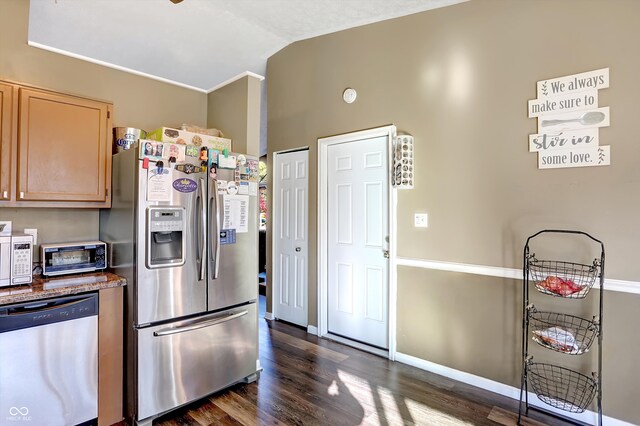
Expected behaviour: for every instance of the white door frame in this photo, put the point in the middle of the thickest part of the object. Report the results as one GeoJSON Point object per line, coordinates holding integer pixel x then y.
{"type": "Point", "coordinates": [275, 212]}
{"type": "Point", "coordinates": [323, 144]}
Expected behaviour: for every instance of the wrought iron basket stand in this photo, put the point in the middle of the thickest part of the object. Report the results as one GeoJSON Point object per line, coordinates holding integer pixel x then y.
{"type": "Point", "coordinates": [557, 386]}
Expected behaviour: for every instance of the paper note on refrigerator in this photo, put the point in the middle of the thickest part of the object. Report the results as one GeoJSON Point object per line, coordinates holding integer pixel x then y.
{"type": "Point", "coordinates": [236, 213]}
{"type": "Point", "coordinates": [228, 162]}
{"type": "Point", "coordinates": [243, 188]}
{"type": "Point", "coordinates": [253, 188]}
{"type": "Point", "coordinates": [159, 184]}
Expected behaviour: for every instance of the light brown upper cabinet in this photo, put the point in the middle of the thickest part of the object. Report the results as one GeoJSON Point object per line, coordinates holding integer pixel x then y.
{"type": "Point", "coordinates": [63, 150]}
{"type": "Point", "coordinates": [7, 141]}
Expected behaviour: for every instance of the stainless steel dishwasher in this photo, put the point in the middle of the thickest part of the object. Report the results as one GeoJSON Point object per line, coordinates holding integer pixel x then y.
{"type": "Point", "coordinates": [49, 362]}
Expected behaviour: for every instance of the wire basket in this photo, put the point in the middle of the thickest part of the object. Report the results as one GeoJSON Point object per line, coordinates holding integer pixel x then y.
{"type": "Point", "coordinates": [561, 332]}
{"type": "Point", "coordinates": [563, 279]}
{"type": "Point", "coordinates": [561, 388]}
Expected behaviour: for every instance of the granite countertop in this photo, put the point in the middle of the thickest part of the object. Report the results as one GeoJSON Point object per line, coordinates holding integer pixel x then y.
{"type": "Point", "coordinates": [43, 288]}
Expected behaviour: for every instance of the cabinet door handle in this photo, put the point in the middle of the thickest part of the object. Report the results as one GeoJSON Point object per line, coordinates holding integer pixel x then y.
{"type": "Point", "coordinates": [21, 194]}
{"type": "Point", "coordinates": [5, 195]}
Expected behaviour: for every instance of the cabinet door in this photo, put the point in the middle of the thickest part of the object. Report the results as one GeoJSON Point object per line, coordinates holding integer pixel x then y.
{"type": "Point", "coordinates": [62, 147]}
{"type": "Point", "coordinates": [6, 141]}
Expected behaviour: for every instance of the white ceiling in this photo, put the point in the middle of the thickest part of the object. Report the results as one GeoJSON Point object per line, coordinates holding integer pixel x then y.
{"type": "Point", "coordinates": [200, 44]}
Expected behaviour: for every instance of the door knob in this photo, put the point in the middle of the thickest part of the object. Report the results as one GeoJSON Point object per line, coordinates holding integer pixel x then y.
{"type": "Point", "coordinates": [385, 253]}
{"type": "Point", "coordinates": [298, 249]}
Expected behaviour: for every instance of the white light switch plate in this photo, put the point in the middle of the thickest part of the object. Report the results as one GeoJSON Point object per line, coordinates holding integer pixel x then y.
{"type": "Point", "coordinates": [421, 220]}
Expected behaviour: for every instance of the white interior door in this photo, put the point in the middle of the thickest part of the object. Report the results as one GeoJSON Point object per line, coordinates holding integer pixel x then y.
{"type": "Point", "coordinates": [357, 233]}
{"type": "Point", "coordinates": [290, 234]}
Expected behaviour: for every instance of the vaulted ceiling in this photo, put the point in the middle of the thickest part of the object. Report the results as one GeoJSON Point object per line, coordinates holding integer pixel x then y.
{"type": "Point", "coordinates": [198, 43]}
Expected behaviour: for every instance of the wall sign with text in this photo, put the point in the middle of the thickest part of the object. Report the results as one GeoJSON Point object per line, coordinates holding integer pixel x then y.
{"type": "Point", "coordinates": [569, 119]}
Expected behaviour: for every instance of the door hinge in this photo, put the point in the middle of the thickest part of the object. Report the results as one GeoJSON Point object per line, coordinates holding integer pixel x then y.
{"type": "Point", "coordinates": [106, 192]}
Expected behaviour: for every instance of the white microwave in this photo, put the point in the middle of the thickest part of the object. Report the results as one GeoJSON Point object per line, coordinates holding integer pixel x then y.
{"type": "Point", "coordinates": [16, 259]}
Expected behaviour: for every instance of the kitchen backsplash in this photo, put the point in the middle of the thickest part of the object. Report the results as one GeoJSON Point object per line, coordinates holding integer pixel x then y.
{"type": "Point", "coordinates": [55, 225]}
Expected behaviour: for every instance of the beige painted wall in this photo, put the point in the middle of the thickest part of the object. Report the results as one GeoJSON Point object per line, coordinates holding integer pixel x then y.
{"type": "Point", "coordinates": [225, 112]}
{"type": "Point", "coordinates": [473, 324]}
{"type": "Point", "coordinates": [235, 110]}
{"type": "Point", "coordinates": [138, 102]}
{"type": "Point", "coordinates": [55, 225]}
{"type": "Point", "coordinates": [254, 102]}
{"type": "Point", "coordinates": [458, 79]}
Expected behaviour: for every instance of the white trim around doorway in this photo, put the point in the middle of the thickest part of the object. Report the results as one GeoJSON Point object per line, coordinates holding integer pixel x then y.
{"type": "Point", "coordinates": [323, 143]}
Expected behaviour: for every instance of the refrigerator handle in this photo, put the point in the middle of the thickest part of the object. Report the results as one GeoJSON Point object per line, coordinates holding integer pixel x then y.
{"type": "Point", "coordinates": [202, 234]}
{"type": "Point", "coordinates": [214, 209]}
{"type": "Point", "coordinates": [199, 325]}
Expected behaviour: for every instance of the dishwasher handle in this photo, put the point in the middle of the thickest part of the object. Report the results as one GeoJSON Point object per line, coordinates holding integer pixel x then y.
{"type": "Point", "coordinates": [41, 307]}
{"type": "Point", "coordinates": [38, 313]}
{"type": "Point", "coordinates": [200, 324]}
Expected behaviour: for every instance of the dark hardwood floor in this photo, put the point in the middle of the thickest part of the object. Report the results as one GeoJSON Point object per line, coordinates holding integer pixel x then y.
{"type": "Point", "coordinates": [312, 381]}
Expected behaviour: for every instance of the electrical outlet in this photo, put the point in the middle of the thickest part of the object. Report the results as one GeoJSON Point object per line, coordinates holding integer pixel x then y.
{"type": "Point", "coordinates": [421, 220]}
{"type": "Point", "coordinates": [33, 232]}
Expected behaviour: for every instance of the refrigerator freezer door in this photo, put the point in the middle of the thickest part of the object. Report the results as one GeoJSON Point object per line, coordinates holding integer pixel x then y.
{"type": "Point", "coordinates": [236, 266]}
{"type": "Point", "coordinates": [187, 360]}
{"type": "Point", "coordinates": [171, 291]}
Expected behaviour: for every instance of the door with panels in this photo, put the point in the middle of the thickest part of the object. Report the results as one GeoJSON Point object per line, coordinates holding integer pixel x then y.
{"type": "Point", "coordinates": [357, 233]}
{"type": "Point", "coordinates": [290, 235]}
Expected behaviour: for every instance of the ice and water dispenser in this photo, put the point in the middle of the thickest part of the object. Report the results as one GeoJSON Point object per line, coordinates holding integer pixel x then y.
{"type": "Point", "coordinates": [166, 227]}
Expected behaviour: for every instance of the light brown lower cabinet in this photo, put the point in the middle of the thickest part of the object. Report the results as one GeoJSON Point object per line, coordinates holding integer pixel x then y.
{"type": "Point", "coordinates": [110, 355]}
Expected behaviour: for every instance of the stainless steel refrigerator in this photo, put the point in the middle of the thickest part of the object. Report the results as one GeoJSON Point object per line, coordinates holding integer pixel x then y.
{"type": "Point", "coordinates": [191, 321]}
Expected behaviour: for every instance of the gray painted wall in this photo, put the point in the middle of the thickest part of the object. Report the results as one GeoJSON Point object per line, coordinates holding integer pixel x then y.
{"type": "Point", "coordinates": [458, 79]}
{"type": "Point", "coordinates": [234, 109]}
